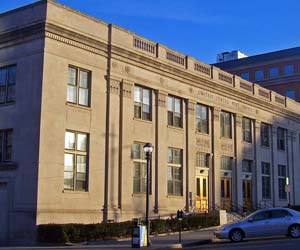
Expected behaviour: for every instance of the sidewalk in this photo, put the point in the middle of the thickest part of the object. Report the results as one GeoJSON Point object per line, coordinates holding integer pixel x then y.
{"type": "Point", "coordinates": [166, 241]}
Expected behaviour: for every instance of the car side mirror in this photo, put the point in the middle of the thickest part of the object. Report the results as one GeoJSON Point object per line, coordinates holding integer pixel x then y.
{"type": "Point", "coordinates": [250, 220]}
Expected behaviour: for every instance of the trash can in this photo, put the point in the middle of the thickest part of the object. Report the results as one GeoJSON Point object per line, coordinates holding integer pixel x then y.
{"type": "Point", "coordinates": [139, 234]}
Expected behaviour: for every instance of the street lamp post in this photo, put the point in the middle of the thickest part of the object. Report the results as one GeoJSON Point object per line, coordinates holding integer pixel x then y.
{"type": "Point", "coordinates": [148, 148]}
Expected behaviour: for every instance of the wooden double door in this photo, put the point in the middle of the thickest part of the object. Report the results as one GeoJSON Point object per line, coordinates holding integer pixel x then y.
{"type": "Point", "coordinates": [202, 193]}
{"type": "Point", "coordinates": [226, 193]}
{"type": "Point", "coordinates": [247, 193]}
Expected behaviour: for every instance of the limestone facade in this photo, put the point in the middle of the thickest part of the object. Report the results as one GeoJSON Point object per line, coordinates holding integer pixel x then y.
{"type": "Point", "coordinates": [79, 161]}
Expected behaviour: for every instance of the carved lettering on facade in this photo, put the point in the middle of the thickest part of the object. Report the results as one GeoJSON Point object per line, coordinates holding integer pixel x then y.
{"type": "Point", "coordinates": [202, 142]}
{"type": "Point", "coordinates": [227, 148]}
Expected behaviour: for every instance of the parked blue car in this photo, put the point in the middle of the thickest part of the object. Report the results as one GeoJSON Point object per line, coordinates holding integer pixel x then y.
{"type": "Point", "coordinates": [263, 223]}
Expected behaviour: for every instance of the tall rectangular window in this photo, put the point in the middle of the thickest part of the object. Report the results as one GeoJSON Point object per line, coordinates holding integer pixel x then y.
{"type": "Point", "coordinates": [225, 120]}
{"type": "Point", "coordinates": [247, 129]}
{"type": "Point", "coordinates": [175, 172]}
{"type": "Point", "coordinates": [247, 166]}
{"type": "Point", "coordinates": [265, 134]}
{"type": "Point", "coordinates": [245, 75]}
{"type": "Point", "coordinates": [288, 69]}
{"type": "Point", "coordinates": [202, 118]}
{"type": "Point", "coordinates": [79, 86]}
{"type": "Point", "coordinates": [274, 72]}
{"type": "Point", "coordinates": [142, 103]}
{"type": "Point", "coordinates": [174, 111]}
{"type": "Point", "coordinates": [7, 84]}
{"type": "Point", "coordinates": [291, 94]}
{"type": "Point", "coordinates": [202, 160]}
{"type": "Point", "coordinates": [76, 161]}
{"type": "Point", "coordinates": [282, 182]}
{"type": "Point", "coordinates": [140, 168]}
{"type": "Point", "coordinates": [266, 180]}
{"type": "Point", "coordinates": [226, 163]}
{"type": "Point", "coordinates": [6, 145]}
{"type": "Point", "coordinates": [280, 139]}
{"type": "Point", "coordinates": [259, 75]}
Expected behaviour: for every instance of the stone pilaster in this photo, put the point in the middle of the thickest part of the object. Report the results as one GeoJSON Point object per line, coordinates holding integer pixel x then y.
{"type": "Point", "coordinates": [161, 151]}
{"type": "Point", "coordinates": [190, 152]}
{"type": "Point", "coordinates": [237, 180]}
{"type": "Point", "coordinates": [274, 166]}
{"type": "Point", "coordinates": [216, 156]}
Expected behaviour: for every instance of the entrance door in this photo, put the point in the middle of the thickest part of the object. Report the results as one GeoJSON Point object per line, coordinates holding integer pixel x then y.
{"type": "Point", "coordinates": [3, 212]}
{"type": "Point", "coordinates": [247, 193]}
{"type": "Point", "coordinates": [202, 193]}
{"type": "Point", "coordinates": [226, 193]}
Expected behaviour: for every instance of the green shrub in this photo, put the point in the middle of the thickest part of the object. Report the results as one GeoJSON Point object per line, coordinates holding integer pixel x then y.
{"type": "Point", "coordinates": [63, 233]}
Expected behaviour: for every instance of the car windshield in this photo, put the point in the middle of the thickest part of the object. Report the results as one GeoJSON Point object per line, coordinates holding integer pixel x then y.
{"type": "Point", "coordinates": [249, 216]}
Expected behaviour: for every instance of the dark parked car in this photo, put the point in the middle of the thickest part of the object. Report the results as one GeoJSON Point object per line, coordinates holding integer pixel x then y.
{"type": "Point", "coordinates": [262, 223]}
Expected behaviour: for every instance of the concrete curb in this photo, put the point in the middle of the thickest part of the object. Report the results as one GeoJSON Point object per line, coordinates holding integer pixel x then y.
{"type": "Point", "coordinates": [198, 243]}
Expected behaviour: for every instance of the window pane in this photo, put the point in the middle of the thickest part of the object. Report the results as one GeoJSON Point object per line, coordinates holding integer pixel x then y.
{"type": "Point", "coordinates": [146, 96]}
{"type": "Point", "coordinates": [136, 151]}
{"type": "Point", "coordinates": [72, 94]}
{"type": "Point", "coordinates": [83, 96]}
{"type": "Point", "coordinates": [68, 180]}
{"type": "Point", "coordinates": [3, 73]}
{"type": "Point", "coordinates": [72, 76]}
{"type": "Point", "coordinates": [137, 94]}
{"type": "Point", "coordinates": [10, 93]}
{"type": "Point", "coordinates": [291, 94]}
{"type": "Point", "coordinates": [84, 79]}
{"type": "Point", "coordinates": [69, 162]}
{"type": "Point", "coordinates": [170, 118]}
{"type": "Point", "coordinates": [170, 103]}
{"type": "Point", "coordinates": [137, 110]}
{"type": "Point", "coordinates": [82, 142]}
{"type": "Point", "coordinates": [274, 72]}
{"type": "Point", "coordinates": [2, 93]}
{"type": "Point", "coordinates": [259, 75]}
{"type": "Point", "coordinates": [170, 156]}
{"type": "Point", "coordinates": [69, 140]}
{"type": "Point", "coordinates": [177, 106]}
{"type": "Point", "coordinates": [81, 164]}
{"type": "Point", "coordinates": [12, 75]}
{"type": "Point", "coordinates": [288, 69]}
{"type": "Point", "coordinates": [245, 75]}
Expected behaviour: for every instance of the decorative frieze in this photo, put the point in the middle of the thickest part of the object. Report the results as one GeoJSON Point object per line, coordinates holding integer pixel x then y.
{"type": "Point", "coordinates": [126, 89]}
{"type": "Point", "coordinates": [161, 99]}
{"type": "Point", "coordinates": [226, 148]}
{"type": "Point", "coordinates": [114, 87]}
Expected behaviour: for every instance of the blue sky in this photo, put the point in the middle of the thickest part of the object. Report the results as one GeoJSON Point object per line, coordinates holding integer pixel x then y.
{"type": "Point", "coordinates": [199, 28]}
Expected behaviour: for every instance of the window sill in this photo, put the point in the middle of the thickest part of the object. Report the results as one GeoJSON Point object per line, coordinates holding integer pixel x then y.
{"type": "Point", "coordinates": [197, 132]}
{"type": "Point", "coordinates": [73, 105]}
{"type": "Point", "coordinates": [247, 143]}
{"type": "Point", "coordinates": [175, 128]}
{"type": "Point", "coordinates": [9, 104]}
{"type": "Point", "coordinates": [281, 150]}
{"type": "Point", "coordinates": [141, 120]}
{"type": "Point", "coordinates": [175, 196]}
{"type": "Point", "coordinates": [226, 138]}
{"type": "Point", "coordinates": [265, 147]}
{"type": "Point", "coordinates": [4, 166]}
{"type": "Point", "coordinates": [139, 195]}
{"type": "Point", "coordinates": [74, 192]}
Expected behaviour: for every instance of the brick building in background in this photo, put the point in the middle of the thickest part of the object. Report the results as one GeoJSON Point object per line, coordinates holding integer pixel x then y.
{"type": "Point", "coordinates": [278, 71]}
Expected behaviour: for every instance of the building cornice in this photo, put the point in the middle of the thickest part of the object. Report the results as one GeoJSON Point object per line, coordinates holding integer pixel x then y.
{"type": "Point", "coordinates": [212, 85]}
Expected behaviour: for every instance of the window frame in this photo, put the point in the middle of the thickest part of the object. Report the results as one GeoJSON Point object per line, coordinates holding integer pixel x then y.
{"type": "Point", "coordinates": [282, 174]}
{"type": "Point", "coordinates": [226, 163]}
{"type": "Point", "coordinates": [263, 133]}
{"type": "Point", "coordinates": [266, 180]}
{"type": "Point", "coordinates": [224, 126]}
{"type": "Point", "coordinates": [202, 160]}
{"type": "Point", "coordinates": [178, 166]}
{"type": "Point", "coordinates": [142, 165]}
{"type": "Point", "coordinates": [272, 71]}
{"type": "Point", "coordinates": [281, 139]}
{"type": "Point", "coordinates": [172, 113]}
{"type": "Point", "coordinates": [8, 84]}
{"type": "Point", "coordinates": [288, 67]}
{"type": "Point", "coordinates": [4, 145]}
{"type": "Point", "coordinates": [200, 120]}
{"type": "Point", "coordinates": [258, 77]}
{"type": "Point", "coordinates": [141, 103]}
{"type": "Point", "coordinates": [78, 70]}
{"type": "Point", "coordinates": [247, 132]}
{"type": "Point", "coordinates": [249, 168]}
{"type": "Point", "coordinates": [77, 153]}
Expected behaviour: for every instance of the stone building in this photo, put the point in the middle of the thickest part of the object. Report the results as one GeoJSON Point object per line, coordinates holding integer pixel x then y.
{"type": "Point", "coordinates": [78, 100]}
{"type": "Point", "coordinates": [276, 70]}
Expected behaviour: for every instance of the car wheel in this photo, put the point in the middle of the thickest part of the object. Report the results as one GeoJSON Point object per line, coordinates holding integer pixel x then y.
{"type": "Point", "coordinates": [294, 231]}
{"type": "Point", "coordinates": [236, 235]}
